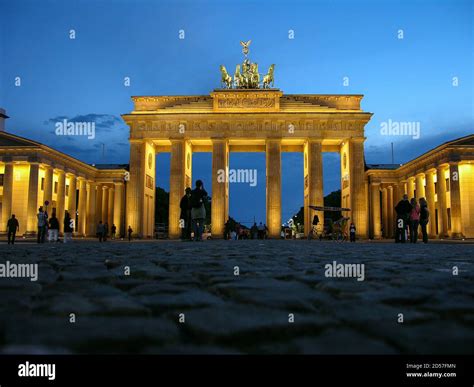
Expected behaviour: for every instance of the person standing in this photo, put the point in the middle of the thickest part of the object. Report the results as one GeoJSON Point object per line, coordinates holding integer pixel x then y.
{"type": "Point", "coordinates": [53, 230]}
{"type": "Point", "coordinates": [113, 231]}
{"type": "Point", "coordinates": [424, 218]}
{"type": "Point", "coordinates": [185, 215]}
{"type": "Point", "coordinates": [198, 210]}
{"type": "Point", "coordinates": [42, 219]}
{"type": "Point", "coordinates": [403, 209]}
{"type": "Point", "coordinates": [100, 231]}
{"type": "Point", "coordinates": [130, 231]}
{"type": "Point", "coordinates": [414, 220]}
{"type": "Point", "coordinates": [352, 232]}
{"type": "Point", "coordinates": [106, 231]}
{"type": "Point", "coordinates": [68, 229]}
{"type": "Point", "coordinates": [12, 227]}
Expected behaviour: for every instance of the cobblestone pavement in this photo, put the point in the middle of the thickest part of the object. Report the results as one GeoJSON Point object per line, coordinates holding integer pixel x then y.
{"type": "Point", "coordinates": [248, 313]}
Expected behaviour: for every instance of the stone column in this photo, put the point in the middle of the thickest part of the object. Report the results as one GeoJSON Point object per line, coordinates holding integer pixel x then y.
{"type": "Point", "coordinates": [430, 198]}
{"type": "Point", "coordinates": [105, 205]}
{"type": "Point", "coordinates": [385, 212]}
{"type": "Point", "coordinates": [98, 204]}
{"type": "Point", "coordinates": [71, 203]}
{"type": "Point", "coordinates": [48, 187]}
{"type": "Point", "coordinates": [118, 207]}
{"type": "Point", "coordinates": [177, 186]}
{"type": "Point", "coordinates": [375, 210]}
{"type": "Point", "coordinates": [313, 183]}
{"type": "Point", "coordinates": [91, 208]}
{"type": "Point", "coordinates": [135, 187]}
{"type": "Point", "coordinates": [7, 195]}
{"type": "Point", "coordinates": [390, 205]}
{"type": "Point", "coordinates": [273, 175]}
{"type": "Point", "coordinates": [220, 186]}
{"type": "Point", "coordinates": [61, 199]}
{"type": "Point", "coordinates": [442, 208]}
{"type": "Point", "coordinates": [455, 189]}
{"type": "Point", "coordinates": [33, 187]}
{"type": "Point", "coordinates": [420, 188]}
{"type": "Point", "coordinates": [110, 207]}
{"type": "Point", "coordinates": [81, 227]}
{"type": "Point", "coordinates": [411, 188]}
{"type": "Point", "coordinates": [358, 198]}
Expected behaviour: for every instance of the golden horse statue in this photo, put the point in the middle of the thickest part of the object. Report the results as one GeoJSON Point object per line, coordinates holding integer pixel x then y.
{"type": "Point", "coordinates": [268, 79]}
{"type": "Point", "coordinates": [239, 81]}
{"type": "Point", "coordinates": [254, 76]}
{"type": "Point", "coordinates": [226, 79]}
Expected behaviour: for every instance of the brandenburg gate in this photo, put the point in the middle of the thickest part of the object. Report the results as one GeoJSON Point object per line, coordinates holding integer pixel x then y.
{"type": "Point", "coordinates": [245, 115]}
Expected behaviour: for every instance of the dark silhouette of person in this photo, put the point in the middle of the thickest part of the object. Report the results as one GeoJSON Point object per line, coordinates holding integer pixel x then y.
{"type": "Point", "coordinates": [198, 210]}
{"type": "Point", "coordinates": [53, 231]}
{"type": "Point", "coordinates": [68, 230]}
{"type": "Point", "coordinates": [106, 231]}
{"type": "Point", "coordinates": [424, 218]}
{"type": "Point", "coordinates": [403, 209]}
{"type": "Point", "coordinates": [185, 215]}
{"type": "Point", "coordinates": [113, 231]}
{"type": "Point", "coordinates": [130, 231]}
{"type": "Point", "coordinates": [12, 227]}
{"type": "Point", "coordinates": [42, 224]}
{"type": "Point", "coordinates": [100, 231]}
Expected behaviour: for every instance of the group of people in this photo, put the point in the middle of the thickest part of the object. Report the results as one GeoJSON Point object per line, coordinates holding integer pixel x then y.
{"type": "Point", "coordinates": [410, 216]}
{"type": "Point", "coordinates": [193, 212]}
{"type": "Point", "coordinates": [49, 226]}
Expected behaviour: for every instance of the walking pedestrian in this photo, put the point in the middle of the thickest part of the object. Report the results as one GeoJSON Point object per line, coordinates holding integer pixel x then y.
{"type": "Point", "coordinates": [100, 231]}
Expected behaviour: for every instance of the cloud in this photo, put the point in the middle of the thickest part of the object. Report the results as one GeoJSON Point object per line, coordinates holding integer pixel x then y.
{"type": "Point", "coordinates": [103, 122]}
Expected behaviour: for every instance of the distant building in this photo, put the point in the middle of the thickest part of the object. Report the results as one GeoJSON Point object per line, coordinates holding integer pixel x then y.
{"type": "Point", "coordinates": [32, 174]}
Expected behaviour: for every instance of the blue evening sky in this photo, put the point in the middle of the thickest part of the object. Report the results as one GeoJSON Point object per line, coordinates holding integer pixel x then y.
{"type": "Point", "coordinates": [409, 79]}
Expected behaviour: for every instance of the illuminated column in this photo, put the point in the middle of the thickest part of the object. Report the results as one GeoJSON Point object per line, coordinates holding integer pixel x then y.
{"type": "Point", "coordinates": [98, 204]}
{"type": "Point", "coordinates": [48, 186]}
{"type": "Point", "coordinates": [7, 194]}
{"type": "Point", "coordinates": [313, 183]}
{"type": "Point", "coordinates": [384, 212]}
{"type": "Point", "coordinates": [390, 205]}
{"type": "Point", "coordinates": [61, 198]}
{"type": "Point", "coordinates": [110, 207]}
{"type": "Point", "coordinates": [135, 187]}
{"type": "Point", "coordinates": [82, 210]}
{"type": "Point", "coordinates": [118, 207]}
{"type": "Point", "coordinates": [442, 209]}
{"type": "Point", "coordinates": [411, 188]}
{"type": "Point", "coordinates": [375, 210]}
{"type": "Point", "coordinates": [105, 204]}
{"type": "Point", "coordinates": [32, 222]}
{"type": "Point", "coordinates": [220, 186]}
{"type": "Point", "coordinates": [71, 203]}
{"type": "Point", "coordinates": [91, 208]}
{"type": "Point", "coordinates": [273, 174]}
{"type": "Point", "coordinates": [358, 198]}
{"type": "Point", "coordinates": [179, 159]}
{"type": "Point", "coordinates": [430, 198]}
{"type": "Point", "coordinates": [456, 217]}
{"type": "Point", "coordinates": [420, 188]}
